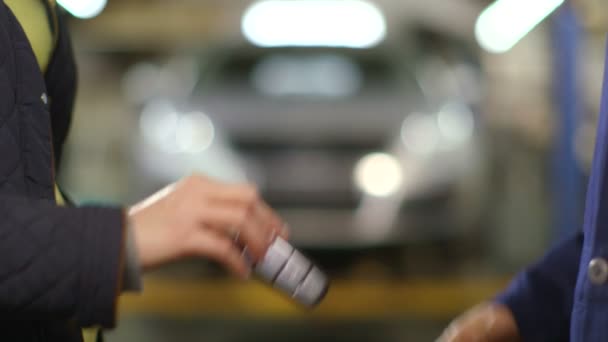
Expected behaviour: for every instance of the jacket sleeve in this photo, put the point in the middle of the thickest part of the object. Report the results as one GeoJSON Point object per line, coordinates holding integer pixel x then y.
{"type": "Point", "coordinates": [541, 296]}
{"type": "Point", "coordinates": [60, 262]}
{"type": "Point", "coordinates": [54, 262]}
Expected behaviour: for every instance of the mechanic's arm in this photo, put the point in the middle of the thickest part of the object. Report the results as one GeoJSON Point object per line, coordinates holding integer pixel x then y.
{"type": "Point", "coordinates": [536, 306]}
{"type": "Point", "coordinates": [60, 262]}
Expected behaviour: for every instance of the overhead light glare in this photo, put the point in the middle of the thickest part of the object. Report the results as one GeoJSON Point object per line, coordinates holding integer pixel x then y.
{"type": "Point", "coordinates": [378, 174]}
{"type": "Point", "coordinates": [194, 132]}
{"type": "Point", "coordinates": [83, 9]}
{"type": "Point", "coordinates": [420, 134]}
{"type": "Point", "coordinates": [309, 23]}
{"type": "Point", "coordinates": [505, 22]}
{"type": "Point", "coordinates": [456, 123]}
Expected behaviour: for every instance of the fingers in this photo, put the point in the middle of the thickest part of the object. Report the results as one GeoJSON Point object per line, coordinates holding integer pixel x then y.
{"type": "Point", "coordinates": [220, 191]}
{"type": "Point", "coordinates": [471, 326]}
{"type": "Point", "coordinates": [237, 209]}
{"type": "Point", "coordinates": [250, 229]}
{"type": "Point", "coordinates": [246, 195]}
{"type": "Point", "coordinates": [266, 214]}
{"type": "Point", "coordinates": [152, 199]}
{"type": "Point", "coordinates": [199, 216]}
{"type": "Point", "coordinates": [457, 333]}
{"type": "Point", "coordinates": [220, 248]}
{"type": "Point", "coordinates": [487, 322]}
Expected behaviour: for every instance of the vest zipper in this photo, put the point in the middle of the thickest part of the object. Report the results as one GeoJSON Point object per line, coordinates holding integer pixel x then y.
{"type": "Point", "coordinates": [51, 11]}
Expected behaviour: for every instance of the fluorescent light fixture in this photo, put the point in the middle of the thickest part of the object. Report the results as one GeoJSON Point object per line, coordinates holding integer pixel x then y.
{"type": "Point", "coordinates": [505, 22]}
{"type": "Point", "coordinates": [333, 23]}
{"type": "Point", "coordinates": [378, 174]}
{"type": "Point", "coordinates": [83, 9]}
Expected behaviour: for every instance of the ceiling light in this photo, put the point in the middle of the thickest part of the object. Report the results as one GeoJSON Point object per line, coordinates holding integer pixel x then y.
{"type": "Point", "coordinates": [83, 9]}
{"type": "Point", "coordinates": [505, 22]}
{"type": "Point", "coordinates": [333, 23]}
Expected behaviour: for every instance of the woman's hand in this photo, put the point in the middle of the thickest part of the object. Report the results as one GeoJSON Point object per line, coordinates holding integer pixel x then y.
{"type": "Point", "coordinates": [200, 217]}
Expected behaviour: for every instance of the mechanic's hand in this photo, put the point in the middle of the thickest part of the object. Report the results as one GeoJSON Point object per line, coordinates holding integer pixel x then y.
{"type": "Point", "coordinates": [488, 322]}
{"type": "Point", "coordinates": [200, 217]}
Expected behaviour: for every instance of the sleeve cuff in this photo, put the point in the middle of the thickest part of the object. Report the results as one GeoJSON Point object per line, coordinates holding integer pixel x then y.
{"type": "Point", "coordinates": [103, 254]}
{"type": "Point", "coordinates": [518, 303]}
{"type": "Point", "coordinates": [132, 270]}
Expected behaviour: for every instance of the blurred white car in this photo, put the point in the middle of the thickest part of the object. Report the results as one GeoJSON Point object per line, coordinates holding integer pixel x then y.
{"type": "Point", "coordinates": [351, 146]}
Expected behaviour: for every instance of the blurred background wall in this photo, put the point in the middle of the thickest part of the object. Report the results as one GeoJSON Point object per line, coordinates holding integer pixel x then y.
{"type": "Point", "coordinates": [421, 151]}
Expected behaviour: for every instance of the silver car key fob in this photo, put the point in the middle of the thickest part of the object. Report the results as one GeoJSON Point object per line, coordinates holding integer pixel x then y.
{"type": "Point", "coordinates": [285, 268]}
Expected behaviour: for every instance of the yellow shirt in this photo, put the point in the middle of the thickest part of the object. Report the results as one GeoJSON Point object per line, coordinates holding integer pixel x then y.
{"type": "Point", "coordinates": [31, 14]}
